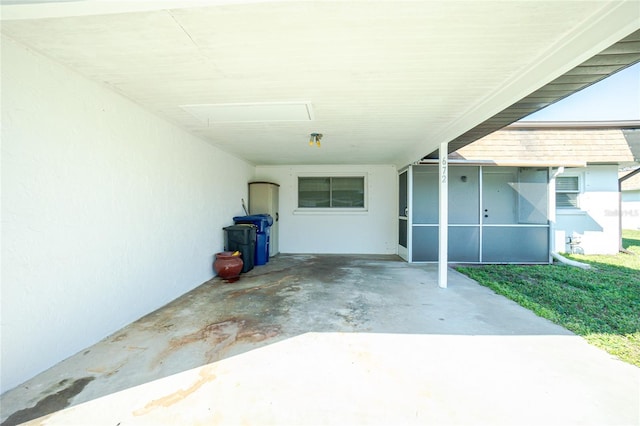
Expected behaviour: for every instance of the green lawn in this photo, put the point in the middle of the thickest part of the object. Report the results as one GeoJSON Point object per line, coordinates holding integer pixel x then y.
{"type": "Point", "coordinates": [601, 304]}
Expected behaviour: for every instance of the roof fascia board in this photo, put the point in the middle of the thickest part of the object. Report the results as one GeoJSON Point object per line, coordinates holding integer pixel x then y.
{"type": "Point", "coordinates": [509, 163]}
{"type": "Point", "coordinates": [623, 124]}
{"type": "Point", "coordinates": [629, 175]}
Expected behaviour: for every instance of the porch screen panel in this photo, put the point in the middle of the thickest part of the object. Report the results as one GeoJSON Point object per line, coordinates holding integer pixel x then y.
{"type": "Point", "coordinates": [529, 244]}
{"type": "Point", "coordinates": [425, 194]}
{"type": "Point", "coordinates": [402, 232]}
{"type": "Point", "coordinates": [499, 195]}
{"type": "Point", "coordinates": [402, 194]}
{"type": "Point", "coordinates": [425, 243]}
{"type": "Point", "coordinates": [464, 195]}
{"type": "Point", "coordinates": [532, 195]}
{"type": "Point", "coordinates": [464, 243]}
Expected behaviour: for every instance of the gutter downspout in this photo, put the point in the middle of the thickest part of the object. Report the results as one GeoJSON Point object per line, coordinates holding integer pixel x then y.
{"type": "Point", "coordinates": [569, 262]}
{"type": "Point", "coordinates": [620, 246]}
{"type": "Point", "coordinates": [552, 210]}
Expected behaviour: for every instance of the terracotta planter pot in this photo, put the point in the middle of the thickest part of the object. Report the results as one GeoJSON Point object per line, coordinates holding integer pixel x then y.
{"type": "Point", "coordinates": [227, 266]}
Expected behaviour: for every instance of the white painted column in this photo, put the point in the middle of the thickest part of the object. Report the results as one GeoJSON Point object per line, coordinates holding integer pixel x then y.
{"type": "Point", "coordinates": [410, 214]}
{"type": "Point", "coordinates": [443, 196]}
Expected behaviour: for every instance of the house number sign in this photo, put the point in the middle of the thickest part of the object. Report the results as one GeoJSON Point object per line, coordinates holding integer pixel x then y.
{"type": "Point", "coordinates": [444, 171]}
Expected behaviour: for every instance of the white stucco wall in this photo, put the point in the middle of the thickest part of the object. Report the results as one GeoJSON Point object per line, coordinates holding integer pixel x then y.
{"type": "Point", "coordinates": [108, 212]}
{"type": "Point", "coordinates": [631, 209]}
{"type": "Point", "coordinates": [597, 218]}
{"type": "Point", "coordinates": [370, 232]}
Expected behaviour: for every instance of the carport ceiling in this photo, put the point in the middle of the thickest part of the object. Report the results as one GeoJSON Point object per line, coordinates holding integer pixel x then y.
{"type": "Point", "coordinates": [385, 82]}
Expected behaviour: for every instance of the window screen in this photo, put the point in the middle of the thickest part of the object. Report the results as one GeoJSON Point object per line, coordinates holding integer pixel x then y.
{"type": "Point", "coordinates": [567, 190]}
{"type": "Point", "coordinates": [331, 192]}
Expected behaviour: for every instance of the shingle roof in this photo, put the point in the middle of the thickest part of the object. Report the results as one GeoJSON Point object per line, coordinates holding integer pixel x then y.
{"type": "Point", "coordinates": [632, 183]}
{"type": "Point", "coordinates": [548, 144]}
{"type": "Point", "coordinates": [633, 139]}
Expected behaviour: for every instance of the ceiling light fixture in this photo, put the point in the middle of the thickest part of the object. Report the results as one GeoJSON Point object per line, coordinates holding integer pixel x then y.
{"type": "Point", "coordinates": [315, 138]}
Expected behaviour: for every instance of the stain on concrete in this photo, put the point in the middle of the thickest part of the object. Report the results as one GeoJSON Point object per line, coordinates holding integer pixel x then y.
{"type": "Point", "coordinates": [163, 317]}
{"type": "Point", "coordinates": [206, 375]}
{"type": "Point", "coordinates": [291, 295]}
{"type": "Point", "coordinates": [103, 371]}
{"type": "Point", "coordinates": [50, 403]}
{"type": "Point", "coordinates": [221, 336]}
{"type": "Point", "coordinates": [355, 313]}
{"type": "Point", "coordinates": [242, 292]}
{"type": "Point", "coordinates": [120, 336]}
{"type": "Point", "coordinates": [331, 271]}
{"type": "Point", "coordinates": [213, 320]}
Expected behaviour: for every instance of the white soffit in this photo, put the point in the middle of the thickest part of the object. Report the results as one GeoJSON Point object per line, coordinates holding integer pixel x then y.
{"type": "Point", "coordinates": [389, 80]}
{"type": "Point", "coordinates": [211, 114]}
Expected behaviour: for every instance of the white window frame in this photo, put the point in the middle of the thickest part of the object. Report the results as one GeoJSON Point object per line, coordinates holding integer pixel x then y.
{"type": "Point", "coordinates": [578, 192]}
{"type": "Point", "coordinates": [332, 210]}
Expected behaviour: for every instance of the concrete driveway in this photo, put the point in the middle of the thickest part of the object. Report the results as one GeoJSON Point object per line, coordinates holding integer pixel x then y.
{"type": "Point", "coordinates": [324, 339]}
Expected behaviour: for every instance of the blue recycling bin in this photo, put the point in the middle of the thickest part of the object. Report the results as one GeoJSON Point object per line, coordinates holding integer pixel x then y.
{"type": "Point", "coordinates": [263, 224]}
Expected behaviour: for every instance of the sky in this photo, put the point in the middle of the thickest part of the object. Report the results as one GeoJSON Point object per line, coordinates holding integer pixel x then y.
{"type": "Point", "coordinates": [614, 98]}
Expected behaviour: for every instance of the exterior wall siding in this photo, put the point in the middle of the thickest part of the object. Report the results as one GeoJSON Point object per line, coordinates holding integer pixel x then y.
{"type": "Point", "coordinates": [596, 221]}
{"type": "Point", "coordinates": [373, 231]}
{"type": "Point", "coordinates": [631, 209]}
{"type": "Point", "coordinates": [108, 212]}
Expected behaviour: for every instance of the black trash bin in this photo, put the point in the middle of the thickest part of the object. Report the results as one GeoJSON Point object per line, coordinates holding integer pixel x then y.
{"type": "Point", "coordinates": [263, 223]}
{"type": "Point", "coordinates": [241, 238]}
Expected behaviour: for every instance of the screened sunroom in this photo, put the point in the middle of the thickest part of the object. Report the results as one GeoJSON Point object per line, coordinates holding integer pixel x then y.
{"type": "Point", "coordinates": [496, 214]}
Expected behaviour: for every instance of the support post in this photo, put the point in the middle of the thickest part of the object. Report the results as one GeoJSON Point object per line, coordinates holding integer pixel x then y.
{"type": "Point", "coordinates": [443, 229]}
